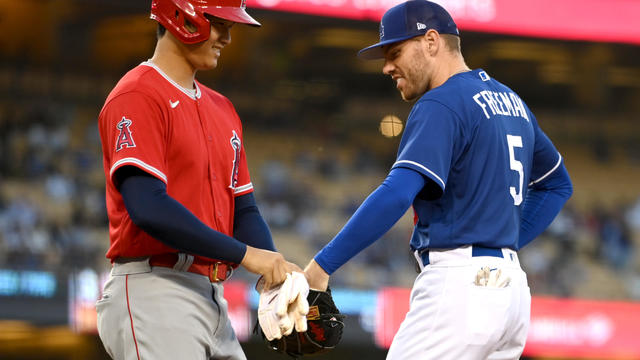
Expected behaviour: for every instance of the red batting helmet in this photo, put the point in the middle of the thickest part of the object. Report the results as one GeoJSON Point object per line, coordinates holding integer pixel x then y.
{"type": "Point", "coordinates": [173, 15]}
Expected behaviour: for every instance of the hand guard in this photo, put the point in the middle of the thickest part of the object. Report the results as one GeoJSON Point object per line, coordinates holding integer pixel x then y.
{"type": "Point", "coordinates": [324, 332]}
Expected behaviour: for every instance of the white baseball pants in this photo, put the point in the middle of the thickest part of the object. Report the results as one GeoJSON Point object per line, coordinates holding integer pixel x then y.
{"type": "Point", "coordinates": [452, 318]}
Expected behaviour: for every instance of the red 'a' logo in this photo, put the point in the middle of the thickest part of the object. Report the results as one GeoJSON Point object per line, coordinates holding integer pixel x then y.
{"type": "Point", "coordinates": [124, 137]}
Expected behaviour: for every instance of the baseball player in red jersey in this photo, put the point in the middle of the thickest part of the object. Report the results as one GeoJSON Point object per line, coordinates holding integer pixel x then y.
{"type": "Point", "coordinates": [179, 197]}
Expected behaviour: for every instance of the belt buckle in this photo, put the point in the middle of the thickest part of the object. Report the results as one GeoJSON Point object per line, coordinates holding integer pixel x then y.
{"type": "Point", "coordinates": [213, 275]}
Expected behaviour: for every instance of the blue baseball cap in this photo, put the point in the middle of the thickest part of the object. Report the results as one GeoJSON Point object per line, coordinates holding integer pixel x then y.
{"type": "Point", "coordinates": [407, 20]}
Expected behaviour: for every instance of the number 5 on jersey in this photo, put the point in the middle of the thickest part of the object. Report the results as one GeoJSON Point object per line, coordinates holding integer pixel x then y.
{"type": "Point", "coordinates": [515, 141]}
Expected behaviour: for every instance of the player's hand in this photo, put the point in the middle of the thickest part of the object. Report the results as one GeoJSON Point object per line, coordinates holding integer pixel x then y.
{"type": "Point", "coordinates": [316, 276]}
{"type": "Point", "coordinates": [271, 265]}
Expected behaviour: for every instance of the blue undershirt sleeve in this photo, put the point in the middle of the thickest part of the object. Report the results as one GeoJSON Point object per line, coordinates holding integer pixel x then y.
{"type": "Point", "coordinates": [377, 214]}
{"type": "Point", "coordinates": [249, 226]}
{"type": "Point", "coordinates": [543, 202]}
{"type": "Point", "coordinates": [164, 218]}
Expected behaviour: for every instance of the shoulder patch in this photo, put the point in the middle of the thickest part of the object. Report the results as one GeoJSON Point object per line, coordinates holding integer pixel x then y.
{"type": "Point", "coordinates": [125, 138]}
{"type": "Point", "coordinates": [236, 144]}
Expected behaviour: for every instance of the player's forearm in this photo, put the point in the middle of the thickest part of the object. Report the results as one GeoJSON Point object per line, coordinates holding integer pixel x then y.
{"type": "Point", "coordinates": [249, 226]}
{"type": "Point", "coordinates": [373, 218]}
{"type": "Point", "coordinates": [159, 215]}
{"type": "Point", "coordinates": [543, 203]}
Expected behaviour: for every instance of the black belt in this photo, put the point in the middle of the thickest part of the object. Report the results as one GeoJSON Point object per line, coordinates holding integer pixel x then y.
{"type": "Point", "coordinates": [476, 250]}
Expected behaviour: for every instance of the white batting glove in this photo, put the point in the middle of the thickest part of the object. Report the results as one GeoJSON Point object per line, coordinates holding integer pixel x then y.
{"type": "Point", "coordinates": [497, 279]}
{"type": "Point", "coordinates": [284, 307]}
{"type": "Point", "coordinates": [285, 293]}
{"type": "Point", "coordinates": [292, 306]}
{"type": "Point", "coordinates": [482, 276]}
{"type": "Point", "coordinates": [491, 278]}
{"type": "Point", "coordinates": [267, 317]}
{"type": "Point", "coordinates": [299, 307]}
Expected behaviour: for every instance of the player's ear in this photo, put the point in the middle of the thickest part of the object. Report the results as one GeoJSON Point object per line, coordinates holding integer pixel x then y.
{"type": "Point", "coordinates": [432, 41]}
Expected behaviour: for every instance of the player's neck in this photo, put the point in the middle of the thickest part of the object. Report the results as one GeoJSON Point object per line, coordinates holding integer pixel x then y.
{"type": "Point", "coordinates": [457, 65]}
{"type": "Point", "coordinates": [173, 64]}
{"type": "Point", "coordinates": [450, 67]}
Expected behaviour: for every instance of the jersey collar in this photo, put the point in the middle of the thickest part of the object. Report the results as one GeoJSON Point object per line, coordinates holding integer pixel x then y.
{"type": "Point", "coordinates": [188, 92]}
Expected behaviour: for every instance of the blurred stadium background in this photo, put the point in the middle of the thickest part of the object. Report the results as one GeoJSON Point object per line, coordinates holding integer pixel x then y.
{"type": "Point", "coordinates": [311, 112]}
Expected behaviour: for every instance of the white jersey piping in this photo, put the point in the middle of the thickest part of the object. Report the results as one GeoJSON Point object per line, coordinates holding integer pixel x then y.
{"type": "Point", "coordinates": [548, 173]}
{"type": "Point", "coordinates": [140, 163]}
{"type": "Point", "coordinates": [242, 188]}
{"type": "Point", "coordinates": [422, 167]}
{"type": "Point", "coordinates": [188, 92]}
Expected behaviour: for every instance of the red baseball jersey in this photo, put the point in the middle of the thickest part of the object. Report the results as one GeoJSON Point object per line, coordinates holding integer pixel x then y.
{"type": "Point", "coordinates": [192, 141]}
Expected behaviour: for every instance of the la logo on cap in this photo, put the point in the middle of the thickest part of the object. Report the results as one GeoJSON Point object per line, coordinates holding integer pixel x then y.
{"type": "Point", "coordinates": [406, 20]}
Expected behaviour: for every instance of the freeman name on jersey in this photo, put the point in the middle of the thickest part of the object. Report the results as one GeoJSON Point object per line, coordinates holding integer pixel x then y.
{"type": "Point", "coordinates": [500, 103]}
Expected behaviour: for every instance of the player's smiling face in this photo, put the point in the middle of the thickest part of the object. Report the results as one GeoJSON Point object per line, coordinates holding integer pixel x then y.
{"type": "Point", "coordinates": [406, 63]}
{"type": "Point", "coordinates": [205, 55]}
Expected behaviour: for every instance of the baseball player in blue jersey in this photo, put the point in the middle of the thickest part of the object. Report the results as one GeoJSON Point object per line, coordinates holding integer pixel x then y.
{"type": "Point", "coordinates": [483, 179]}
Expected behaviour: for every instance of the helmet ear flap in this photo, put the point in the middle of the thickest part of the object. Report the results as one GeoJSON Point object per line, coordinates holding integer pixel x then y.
{"type": "Point", "coordinates": [182, 19]}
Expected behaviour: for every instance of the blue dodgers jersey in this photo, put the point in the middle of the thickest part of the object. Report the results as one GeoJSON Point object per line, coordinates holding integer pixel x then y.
{"type": "Point", "coordinates": [481, 146]}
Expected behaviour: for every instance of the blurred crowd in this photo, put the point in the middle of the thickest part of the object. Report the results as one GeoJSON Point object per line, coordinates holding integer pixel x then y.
{"type": "Point", "coordinates": [52, 206]}
{"type": "Point", "coordinates": [53, 217]}
{"type": "Point", "coordinates": [589, 254]}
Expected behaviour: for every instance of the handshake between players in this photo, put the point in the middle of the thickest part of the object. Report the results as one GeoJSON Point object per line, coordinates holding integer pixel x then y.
{"type": "Point", "coordinates": [286, 311]}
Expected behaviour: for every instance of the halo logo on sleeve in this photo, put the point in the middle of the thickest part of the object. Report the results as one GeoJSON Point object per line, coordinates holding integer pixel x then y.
{"type": "Point", "coordinates": [236, 144]}
{"type": "Point", "coordinates": [125, 139]}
